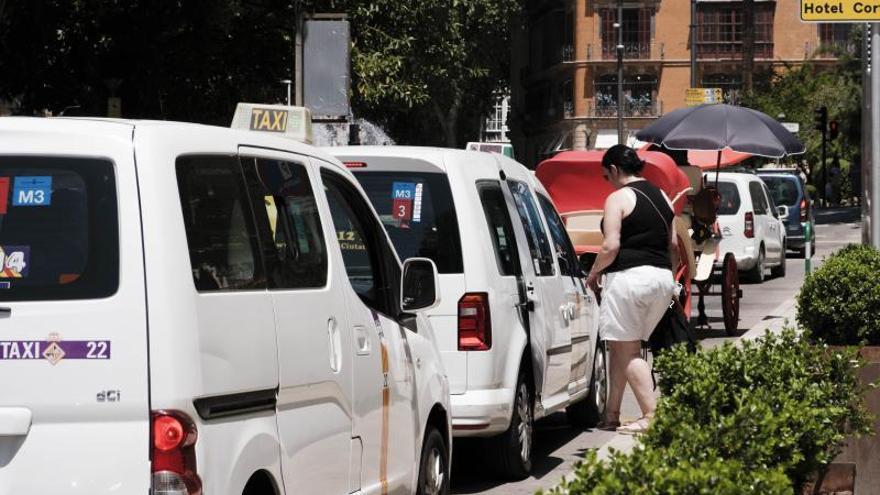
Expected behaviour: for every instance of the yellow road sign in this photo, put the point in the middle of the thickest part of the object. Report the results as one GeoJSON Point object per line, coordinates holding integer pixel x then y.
{"type": "Point", "coordinates": [840, 10]}
{"type": "Point", "coordinates": [701, 96]}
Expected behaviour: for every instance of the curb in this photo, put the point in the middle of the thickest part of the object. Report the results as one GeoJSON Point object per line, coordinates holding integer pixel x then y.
{"type": "Point", "coordinates": [778, 319]}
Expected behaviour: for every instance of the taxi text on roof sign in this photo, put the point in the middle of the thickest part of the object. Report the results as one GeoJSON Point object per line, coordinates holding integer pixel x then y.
{"type": "Point", "coordinates": [840, 10]}
{"type": "Point", "coordinates": [291, 122]}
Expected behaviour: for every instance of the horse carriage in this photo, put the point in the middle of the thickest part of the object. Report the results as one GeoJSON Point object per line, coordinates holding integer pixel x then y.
{"type": "Point", "coordinates": [575, 183]}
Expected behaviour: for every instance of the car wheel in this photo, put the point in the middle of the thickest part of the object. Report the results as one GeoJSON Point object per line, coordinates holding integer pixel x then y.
{"type": "Point", "coordinates": [434, 465]}
{"type": "Point", "coordinates": [779, 271]}
{"type": "Point", "coordinates": [588, 412]}
{"type": "Point", "coordinates": [756, 274]}
{"type": "Point", "coordinates": [514, 459]}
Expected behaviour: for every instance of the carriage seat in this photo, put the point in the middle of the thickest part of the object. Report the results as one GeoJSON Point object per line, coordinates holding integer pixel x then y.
{"type": "Point", "coordinates": [583, 227]}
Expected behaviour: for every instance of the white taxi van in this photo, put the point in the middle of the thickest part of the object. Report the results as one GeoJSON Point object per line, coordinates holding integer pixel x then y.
{"type": "Point", "coordinates": [188, 309]}
{"type": "Point", "coordinates": [517, 328]}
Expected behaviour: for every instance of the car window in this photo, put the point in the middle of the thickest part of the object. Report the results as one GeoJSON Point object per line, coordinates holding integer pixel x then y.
{"type": "Point", "coordinates": [289, 223]}
{"type": "Point", "coordinates": [730, 201]}
{"type": "Point", "coordinates": [59, 231]}
{"type": "Point", "coordinates": [539, 246]}
{"type": "Point", "coordinates": [759, 203]}
{"type": "Point", "coordinates": [560, 238]}
{"type": "Point", "coordinates": [783, 190]}
{"type": "Point", "coordinates": [220, 231]}
{"type": "Point", "coordinates": [500, 227]}
{"type": "Point", "coordinates": [419, 215]}
{"type": "Point", "coordinates": [371, 269]}
{"type": "Point", "coordinates": [771, 205]}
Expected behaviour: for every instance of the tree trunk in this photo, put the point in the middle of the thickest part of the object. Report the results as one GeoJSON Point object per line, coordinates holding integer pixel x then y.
{"type": "Point", "coordinates": [748, 43]}
{"type": "Point", "coordinates": [449, 121]}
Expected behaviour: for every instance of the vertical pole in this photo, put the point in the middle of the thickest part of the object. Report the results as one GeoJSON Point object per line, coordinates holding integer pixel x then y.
{"type": "Point", "coordinates": [620, 138]}
{"type": "Point", "coordinates": [693, 43]}
{"type": "Point", "coordinates": [867, 116]}
{"type": "Point", "coordinates": [824, 168]}
{"type": "Point", "coordinates": [288, 93]}
{"type": "Point", "coordinates": [298, 57]}
{"type": "Point", "coordinates": [874, 198]}
{"type": "Point", "coordinates": [808, 247]}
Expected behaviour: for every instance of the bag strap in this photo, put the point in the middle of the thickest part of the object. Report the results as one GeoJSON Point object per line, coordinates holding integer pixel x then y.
{"type": "Point", "coordinates": [662, 219]}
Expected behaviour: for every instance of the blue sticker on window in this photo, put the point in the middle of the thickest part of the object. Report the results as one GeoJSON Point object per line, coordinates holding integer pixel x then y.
{"type": "Point", "coordinates": [32, 191]}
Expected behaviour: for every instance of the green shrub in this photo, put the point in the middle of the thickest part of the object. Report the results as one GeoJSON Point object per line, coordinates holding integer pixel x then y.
{"type": "Point", "coordinates": [648, 471]}
{"type": "Point", "coordinates": [775, 402]}
{"type": "Point", "coordinates": [840, 302]}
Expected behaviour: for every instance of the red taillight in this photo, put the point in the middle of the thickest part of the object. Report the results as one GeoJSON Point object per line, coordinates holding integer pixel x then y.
{"type": "Point", "coordinates": [355, 164]}
{"type": "Point", "coordinates": [174, 457]}
{"type": "Point", "coordinates": [474, 322]}
{"type": "Point", "coordinates": [750, 225]}
{"type": "Point", "coordinates": [803, 210]}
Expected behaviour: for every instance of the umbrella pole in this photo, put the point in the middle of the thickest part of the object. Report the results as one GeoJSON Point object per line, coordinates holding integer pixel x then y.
{"type": "Point", "coordinates": [717, 168]}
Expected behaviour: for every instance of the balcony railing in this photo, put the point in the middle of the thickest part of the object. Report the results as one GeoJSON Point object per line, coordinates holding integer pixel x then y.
{"type": "Point", "coordinates": [631, 51]}
{"type": "Point", "coordinates": [606, 106]}
{"type": "Point", "coordinates": [731, 50]}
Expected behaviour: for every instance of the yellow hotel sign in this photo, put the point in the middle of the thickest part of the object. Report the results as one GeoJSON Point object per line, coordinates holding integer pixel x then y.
{"type": "Point", "coordinates": [840, 10]}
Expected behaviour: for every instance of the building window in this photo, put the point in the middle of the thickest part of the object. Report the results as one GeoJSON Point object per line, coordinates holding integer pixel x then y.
{"type": "Point", "coordinates": [730, 85]}
{"type": "Point", "coordinates": [566, 90]}
{"type": "Point", "coordinates": [636, 33]}
{"type": "Point", "coordinates": [720, 30]}
{"type": "Point", "coordinates": [639, 96]}
{"type": "Point", "coordinates": [835, 37]}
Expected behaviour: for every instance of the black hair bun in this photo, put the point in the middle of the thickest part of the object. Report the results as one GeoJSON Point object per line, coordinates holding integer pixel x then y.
{"type": "Point", "coordinates": [624, 158]}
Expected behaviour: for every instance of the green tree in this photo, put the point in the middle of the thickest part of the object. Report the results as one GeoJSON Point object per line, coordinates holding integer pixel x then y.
{"type": "Point", "coordinates": [183, 60]}
{"type": "Point", "coordinates": [797, 90]}
{"type": "Point", "coordinates": [427, 70]}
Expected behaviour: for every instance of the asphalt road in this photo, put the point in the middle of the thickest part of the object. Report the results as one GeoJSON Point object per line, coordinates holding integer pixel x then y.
{"type": "Point", "coordinates": [558, 446]}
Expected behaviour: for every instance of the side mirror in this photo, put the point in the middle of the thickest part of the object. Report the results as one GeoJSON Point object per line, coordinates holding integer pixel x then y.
{"type": "Point", "coordinates": [418, 285]}
{"type": "Point", "coordinates": [783, 212]}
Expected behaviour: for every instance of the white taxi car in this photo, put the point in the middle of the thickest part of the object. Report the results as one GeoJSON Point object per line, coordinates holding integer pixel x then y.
{"type": "Point", "coordinates": [517, 328]}
{"type": "Point", "coordinates": [189, 309]}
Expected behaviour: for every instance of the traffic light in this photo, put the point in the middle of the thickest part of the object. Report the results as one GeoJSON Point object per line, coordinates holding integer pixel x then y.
{"type": "Point", "coordinates": [833, 129]}
{"type": "Point", "coordinates": [820, 117]}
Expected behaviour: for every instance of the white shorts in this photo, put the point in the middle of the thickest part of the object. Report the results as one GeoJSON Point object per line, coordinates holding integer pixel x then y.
{"type": "Point", "coordinates": [633, 301]}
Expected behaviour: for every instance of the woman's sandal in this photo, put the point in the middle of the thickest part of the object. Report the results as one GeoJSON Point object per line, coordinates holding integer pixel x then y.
{"type": "Point", "coordinates": [636, 427]}
{"type": "Point", "coordinates": [608, 425]}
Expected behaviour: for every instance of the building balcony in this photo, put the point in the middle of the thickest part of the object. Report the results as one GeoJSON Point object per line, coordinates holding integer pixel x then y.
{"type": "Point", "coordinates": [607, 52]}
{"type": "Point", "coordinates": [604, 106]}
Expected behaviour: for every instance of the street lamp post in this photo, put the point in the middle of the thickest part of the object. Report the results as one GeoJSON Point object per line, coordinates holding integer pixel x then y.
{"type": "Point", "coordinates": [288, 82]}
{"type": "Point", "coordinates": [619, 26]}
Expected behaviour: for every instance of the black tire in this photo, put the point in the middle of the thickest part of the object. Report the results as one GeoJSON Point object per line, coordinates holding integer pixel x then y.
{"type": "Point", "coordinates": [514, 447]}
{"type": "Point", "coordinates": [756, 274]}
{"type": "Point", "coordinates": [588, 412]}
{"type": "Point", "coordinates": [433, 465]}
{"type": "Point", "coordinates": [779, 271]}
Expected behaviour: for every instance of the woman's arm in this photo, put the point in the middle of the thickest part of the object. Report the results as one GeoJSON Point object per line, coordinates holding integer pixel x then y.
{"type": "Point", "coordinates": [614, 207]}
{"type": "Point", "coordinates": [673, 247]}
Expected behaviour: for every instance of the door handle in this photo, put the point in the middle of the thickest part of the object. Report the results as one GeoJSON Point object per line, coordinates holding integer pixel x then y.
{"type": "Point", "coordinates": [15, 421]}
{"type": "Point", "coordinates": [334, 345]}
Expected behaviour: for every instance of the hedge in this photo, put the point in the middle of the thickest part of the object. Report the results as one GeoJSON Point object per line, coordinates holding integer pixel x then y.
{"type": "Point", "coordinates": [840, 302]}
{"type": "Point", "coordinates": [761, 417]}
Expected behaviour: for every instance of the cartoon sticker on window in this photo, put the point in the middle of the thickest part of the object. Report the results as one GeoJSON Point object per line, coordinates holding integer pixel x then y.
{"type": "Point", "coordinates": [14, 261]}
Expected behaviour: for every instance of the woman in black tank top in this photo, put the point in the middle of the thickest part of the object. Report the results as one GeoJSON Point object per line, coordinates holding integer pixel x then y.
{"type": "Point", "coordinates": [636, 262]}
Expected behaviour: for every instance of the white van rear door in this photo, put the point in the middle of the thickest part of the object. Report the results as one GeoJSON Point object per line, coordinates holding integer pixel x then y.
{"type": "Point", "coordinates": [73, 331]}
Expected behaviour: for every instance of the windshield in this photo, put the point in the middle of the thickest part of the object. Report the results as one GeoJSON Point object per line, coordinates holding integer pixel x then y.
{"type": "Point", "coordinates": [419, 215]}
{"type": "Point", "coordinates": [58, 229]}
{"type": "Point", "coordinates": [784, 190]}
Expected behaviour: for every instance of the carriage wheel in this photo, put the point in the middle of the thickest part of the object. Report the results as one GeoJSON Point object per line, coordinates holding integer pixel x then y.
{"type": "Point", "coordinates": [683, 276]}
{"type": "Point", "coordinates": [730, 294]}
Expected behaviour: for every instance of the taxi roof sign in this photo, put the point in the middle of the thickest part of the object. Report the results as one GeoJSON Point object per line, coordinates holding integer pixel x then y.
{"type": "Point", "coordinates": [291, 122]}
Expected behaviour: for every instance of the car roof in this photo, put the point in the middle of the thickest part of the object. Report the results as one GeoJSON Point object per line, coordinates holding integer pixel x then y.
{"type": "Point", "coordinates": [97, 127]}
{"type": "Point", "coordinates": [733, 177]}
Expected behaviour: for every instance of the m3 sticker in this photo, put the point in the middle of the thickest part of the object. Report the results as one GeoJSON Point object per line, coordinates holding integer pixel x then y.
{"type": "Point", "coordinates": [54, 349]}
{"type": "Point", "coordinates": [32, 191]}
